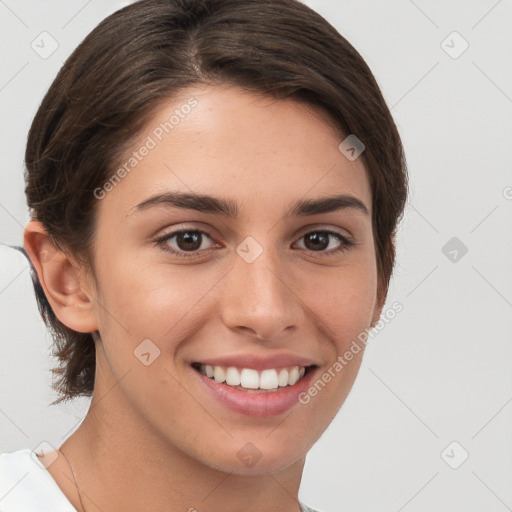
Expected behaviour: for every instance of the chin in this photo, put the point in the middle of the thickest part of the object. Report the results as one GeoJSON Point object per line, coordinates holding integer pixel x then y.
{"type": "Point", "coordinates": [257, 457]}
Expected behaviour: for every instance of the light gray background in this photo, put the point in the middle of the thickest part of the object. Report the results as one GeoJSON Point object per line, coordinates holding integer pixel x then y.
{"type": "Point", "coordinates": [441, 370]}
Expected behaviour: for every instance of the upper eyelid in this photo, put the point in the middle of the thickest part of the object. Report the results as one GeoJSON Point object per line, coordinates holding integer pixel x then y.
{"type": "Point", "coordinates": [302, 231]}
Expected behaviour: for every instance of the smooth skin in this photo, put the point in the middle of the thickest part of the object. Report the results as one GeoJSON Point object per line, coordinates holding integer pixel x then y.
{"type": "Point", "coordinates": [153, 438]}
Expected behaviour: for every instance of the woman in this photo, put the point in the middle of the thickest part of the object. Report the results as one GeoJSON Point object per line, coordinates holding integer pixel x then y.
{"type": "Point", "coordinates": [214, 187]}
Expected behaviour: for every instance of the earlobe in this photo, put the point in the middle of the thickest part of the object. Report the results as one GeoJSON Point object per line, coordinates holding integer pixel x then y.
{"type": "Point", "coordinates": [64, 288]}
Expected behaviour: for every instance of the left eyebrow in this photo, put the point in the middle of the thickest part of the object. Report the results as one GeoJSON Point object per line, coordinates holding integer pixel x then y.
{"type": "Point", "coordinates": [327, 205]}
{"type": "Point", "coordinates": [229, 207]}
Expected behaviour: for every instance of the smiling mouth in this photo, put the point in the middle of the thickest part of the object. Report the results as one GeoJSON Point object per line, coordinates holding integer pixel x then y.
{"type": "Point", "coordinates": [254, 381]}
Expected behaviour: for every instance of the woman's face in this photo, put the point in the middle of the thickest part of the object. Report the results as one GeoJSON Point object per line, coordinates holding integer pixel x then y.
{"type": "Point", "coordinates": [269, 279]}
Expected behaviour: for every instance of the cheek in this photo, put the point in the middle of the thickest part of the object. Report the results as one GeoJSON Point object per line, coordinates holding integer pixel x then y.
{"type": "Point", "coordinates": [343, 301]}
{"type": "Point", "coordinates": [156, 301]}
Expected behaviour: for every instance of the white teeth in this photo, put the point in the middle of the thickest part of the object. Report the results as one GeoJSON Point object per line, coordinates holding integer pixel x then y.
{"type": "Point", "coordinates": [282, 380]}
{"type": "Point", "coordinates": [252, 379]}
{"type": "Point", "coordinates": [249, 379]}
{"type": "Point", "coordinates": [218, 374]}
{"type": "Point", "coordinates": [268, 379]}
{"type": "Point", "coordinates": [232, 376]}
{"type": "Point", "coordinates": [294, 376]}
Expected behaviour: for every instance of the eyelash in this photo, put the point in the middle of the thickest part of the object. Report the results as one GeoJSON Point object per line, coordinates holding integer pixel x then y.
{"type": "Point", "coordinates": [346, 243]}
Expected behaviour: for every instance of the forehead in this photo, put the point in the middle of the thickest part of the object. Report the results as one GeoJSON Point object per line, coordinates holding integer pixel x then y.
{"type": "Point", "coordinates": [228, 142]}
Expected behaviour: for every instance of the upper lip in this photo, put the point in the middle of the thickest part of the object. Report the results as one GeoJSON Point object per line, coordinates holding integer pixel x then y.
{"type": "Point", "coordinates": [258, 362]}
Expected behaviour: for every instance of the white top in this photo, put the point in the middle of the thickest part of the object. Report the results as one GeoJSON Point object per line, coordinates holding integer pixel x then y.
{"type": "Point", "coordinates": [27, 486]}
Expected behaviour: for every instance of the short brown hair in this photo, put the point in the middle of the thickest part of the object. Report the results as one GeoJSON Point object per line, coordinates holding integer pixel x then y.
{"type": "Point", "coordinates": [145, 53]}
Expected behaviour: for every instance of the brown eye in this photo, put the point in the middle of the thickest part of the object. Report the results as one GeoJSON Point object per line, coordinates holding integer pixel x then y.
{"type": "Point", "coordinates": [183, 243]}
{"type": "Point", "coordinates": [320, 241]}
{"type": "Point", "coordinates": [188, 240]}
{"type": "Point", "coordinates": [317, 241]}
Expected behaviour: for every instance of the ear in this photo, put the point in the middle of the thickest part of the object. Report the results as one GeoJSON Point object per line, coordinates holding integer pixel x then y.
{"type": "Point", "coordinates": [65, 287]}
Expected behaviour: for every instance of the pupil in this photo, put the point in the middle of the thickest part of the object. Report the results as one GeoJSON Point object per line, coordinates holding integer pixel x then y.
{"type": "Point", "coordinates": [323, 238]}
{"type": "Point", "coordinates": [189, 241]}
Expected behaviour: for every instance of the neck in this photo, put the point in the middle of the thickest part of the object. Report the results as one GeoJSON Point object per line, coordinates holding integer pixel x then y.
{"type": "Point", "coordinates": [121, 464]}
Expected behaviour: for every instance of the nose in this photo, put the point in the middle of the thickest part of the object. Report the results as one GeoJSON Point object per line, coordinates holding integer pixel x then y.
{"type": "Point", "coordinates": [259, 298]}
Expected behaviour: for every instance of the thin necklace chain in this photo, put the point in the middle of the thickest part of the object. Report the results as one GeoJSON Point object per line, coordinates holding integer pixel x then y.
{"type": "Point", "coordinates": [74, 477]}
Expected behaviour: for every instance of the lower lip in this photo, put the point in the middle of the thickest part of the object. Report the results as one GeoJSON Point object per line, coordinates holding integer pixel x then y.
{"type": "Point", "coordinates": [257, 404]}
